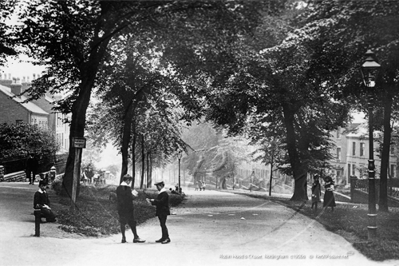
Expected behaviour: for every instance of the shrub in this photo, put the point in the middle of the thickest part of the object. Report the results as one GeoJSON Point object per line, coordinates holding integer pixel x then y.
{"type": "Point", "coordinates": [96, 215]}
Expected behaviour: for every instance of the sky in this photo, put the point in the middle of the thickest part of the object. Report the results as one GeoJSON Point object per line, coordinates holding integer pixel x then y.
{"type": "Point", "coordinates": [19, 68]}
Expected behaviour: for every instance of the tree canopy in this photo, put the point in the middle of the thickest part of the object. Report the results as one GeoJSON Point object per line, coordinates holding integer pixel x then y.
{"type": "Point", "coordinates": [19, 140]}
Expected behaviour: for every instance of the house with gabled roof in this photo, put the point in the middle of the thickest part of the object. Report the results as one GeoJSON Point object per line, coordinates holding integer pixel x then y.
{"type": "Point", "coordinates": [15, 109]}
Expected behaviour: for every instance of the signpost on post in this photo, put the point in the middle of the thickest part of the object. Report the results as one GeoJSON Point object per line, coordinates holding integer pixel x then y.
{"type": "Point", "coordinates": [78, 144]}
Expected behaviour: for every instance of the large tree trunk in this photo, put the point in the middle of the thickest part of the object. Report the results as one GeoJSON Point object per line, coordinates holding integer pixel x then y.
{"type": "Point", "coordinates": [88, 75]}
{"type": "Point", "coordinates": [383, 201]}
{"type": "Point", "coordinates": [300, 191]}
{"type": "Point", "coordinates": [77, 127]}
{"type": "Point", "coordinates": [125, 140]}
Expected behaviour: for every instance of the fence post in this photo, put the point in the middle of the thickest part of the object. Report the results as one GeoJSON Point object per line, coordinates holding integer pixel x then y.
{"type": "Point", "coordinates": [38, 215]}
{"type": "Point", "coordinates": [353, 179]}
{"type": "Point", "coordinates": [1, 173]}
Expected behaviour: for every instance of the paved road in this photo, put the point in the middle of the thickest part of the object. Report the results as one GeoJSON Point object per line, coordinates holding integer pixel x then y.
{"type": "Point", "coordinates": [210, 228]}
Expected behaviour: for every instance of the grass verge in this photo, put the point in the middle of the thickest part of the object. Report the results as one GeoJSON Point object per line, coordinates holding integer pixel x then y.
{"type": "Point", "coordinates": [350, 221]}
{"type": "Point", "coordinates": [96, 215]}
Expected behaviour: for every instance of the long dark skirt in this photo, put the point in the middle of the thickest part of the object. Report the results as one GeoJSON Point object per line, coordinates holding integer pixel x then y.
{"type": "Point", "coordinates": [329, 200]}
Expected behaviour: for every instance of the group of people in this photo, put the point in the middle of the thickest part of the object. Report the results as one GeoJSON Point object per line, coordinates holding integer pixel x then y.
{"type": "Point", "coordinates": [329, 199]}
{"type": "Point", "coordinates": [200, 185]}
{"type": "Point", "coordinates": [90, 176]}
{"type": "Point", "coordinates": [125, 195]}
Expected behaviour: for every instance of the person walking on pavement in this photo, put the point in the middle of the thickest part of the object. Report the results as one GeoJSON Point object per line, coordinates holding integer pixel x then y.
{"type": "Point", "coordinates": [42, 202]}
{"type": "Point", "coordinates": [162, 210]}
{"type": "Point", "coordinates": [31, 168]}
{"type": "Point", "coordinates": [125, 195]}
{"type": "Point", "coordinates": [316, 192]}
{"type": "Point", "coordinates": [329, 200]}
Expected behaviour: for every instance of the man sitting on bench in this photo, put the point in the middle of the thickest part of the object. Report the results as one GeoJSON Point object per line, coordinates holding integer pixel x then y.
{"type": "Point", "coordinates": [41, 202]}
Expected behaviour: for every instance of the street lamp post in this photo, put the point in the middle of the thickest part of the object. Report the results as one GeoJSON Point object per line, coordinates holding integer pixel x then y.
{"type": "Point", "coordinates": [369, 71]}
{"type": "Point", "coordinates": [179, 156]}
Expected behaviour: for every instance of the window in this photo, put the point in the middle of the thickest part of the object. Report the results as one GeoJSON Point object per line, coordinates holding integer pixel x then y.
{"type": "Point", "coordinates": [392, 170]}
{"type": "Point", "coordinates": [353, 148]}
{"type": "Point", "coordinates": [392, 149]}
{"type": "Point", "coordinates": [349, 170]}
{"type": "Point", "coordinates": [338, 133]}
{"type": "Point", "coordinates": [339, 154]}
{"type": "Point", "coordinates": [353, 169]}
{"type": "Point", "coordinates": [362, 147]}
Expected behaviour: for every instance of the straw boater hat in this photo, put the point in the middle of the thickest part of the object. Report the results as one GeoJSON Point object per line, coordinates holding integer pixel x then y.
{"type": "Point", "coordinates": [159, 183]}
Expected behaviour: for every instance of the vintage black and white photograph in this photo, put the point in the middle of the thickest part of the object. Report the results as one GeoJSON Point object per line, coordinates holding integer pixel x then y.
{"type": "Point", "coordinates": [199, 132]}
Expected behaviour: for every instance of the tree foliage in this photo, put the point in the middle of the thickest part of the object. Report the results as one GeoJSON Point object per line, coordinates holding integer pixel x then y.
{"type": "Point", "coordinates": [344, 32]}
{"type": "Point", "coordinates": [72, 38]}
{"type": "Point", "coordinates": [19, 140]}
{"type": "Point", "coordinates": [6, 41]}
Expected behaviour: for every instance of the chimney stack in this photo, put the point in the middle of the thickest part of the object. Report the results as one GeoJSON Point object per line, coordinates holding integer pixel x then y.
{"type": "Point", "coordinates": [16, 86]}
{"type": "Point", "coordinates": [4, 81]}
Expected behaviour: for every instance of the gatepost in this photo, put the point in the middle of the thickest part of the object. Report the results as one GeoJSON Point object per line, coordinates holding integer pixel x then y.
{"type": "Point", "coordinates": [1, 173]}
{"type": "Point", "coordinates": [353, 179]}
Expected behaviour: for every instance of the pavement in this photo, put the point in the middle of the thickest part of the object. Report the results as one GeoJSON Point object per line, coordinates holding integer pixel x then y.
{"type": "Point", "coordinates": [209, 228]}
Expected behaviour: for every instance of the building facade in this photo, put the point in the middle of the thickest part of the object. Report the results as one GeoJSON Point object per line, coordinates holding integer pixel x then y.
{"type": "Point", "coordinates": [15, 109]}
{"type": "Point", "coordinates": [351, 154]}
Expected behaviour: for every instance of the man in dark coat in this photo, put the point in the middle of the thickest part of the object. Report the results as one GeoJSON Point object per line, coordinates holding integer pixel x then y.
{"type": "Point", "coordinates": [31, 168]}
{"type": "Point", "coordinates": [42, 202]}
{"type": "Point", "coordinates": [125, 195]}
{"type": "Point", "coordinates": [162, 210]}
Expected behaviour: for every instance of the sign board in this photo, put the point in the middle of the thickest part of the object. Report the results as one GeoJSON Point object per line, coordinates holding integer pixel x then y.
{"type": "Point", "coordinates": [79, 143]}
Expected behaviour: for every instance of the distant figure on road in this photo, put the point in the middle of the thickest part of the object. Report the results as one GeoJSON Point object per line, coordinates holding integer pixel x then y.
{"type": "Point", "coordinates": [316, 191]}
{"type": "Point", "coordinates": [32, 165]}
{"type": "Point", "coordinates": [199, 185]}
{"type": "Point", "coordinates": [125, 195]}
{"type": "Point", "coordinates": [89, 173]}
{"type": "Point", "coordinates": [329, 200]}
{"type": "Point", "coordinates": [42, 202]}
{"type": "Point", "coordinates": [162, 210]}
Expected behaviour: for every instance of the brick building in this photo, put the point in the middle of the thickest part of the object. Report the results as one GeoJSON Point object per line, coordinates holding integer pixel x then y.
{"type": "Point", "coordinates": [14, 109]}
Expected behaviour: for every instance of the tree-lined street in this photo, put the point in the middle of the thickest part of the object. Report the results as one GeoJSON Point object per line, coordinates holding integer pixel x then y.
{"type": "Point", "coordinates": [210, 228]}
{"type": "Point", "coordinates": [213, 87]}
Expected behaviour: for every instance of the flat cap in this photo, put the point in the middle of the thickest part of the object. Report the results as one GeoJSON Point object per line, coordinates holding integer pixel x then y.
{"type": "Point", "coordinates": [127, 177]}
